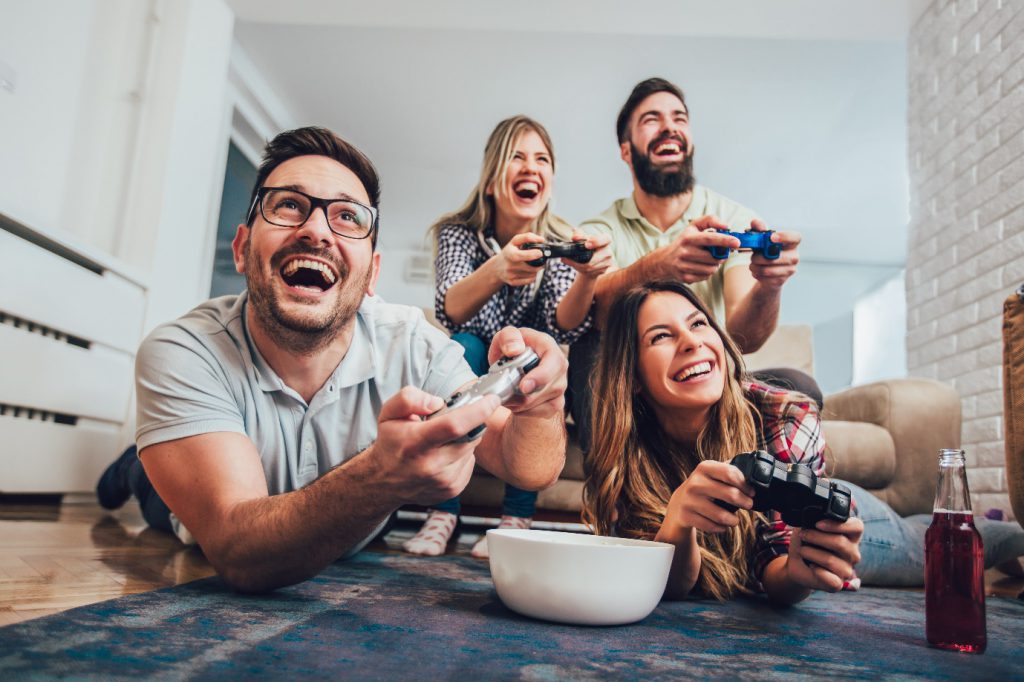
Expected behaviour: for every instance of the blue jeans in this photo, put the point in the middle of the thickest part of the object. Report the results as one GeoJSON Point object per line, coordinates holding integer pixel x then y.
{"type": "Point", "coordinates": [516, 502]}
{"type": "Point", "coordinates": [892, 547]}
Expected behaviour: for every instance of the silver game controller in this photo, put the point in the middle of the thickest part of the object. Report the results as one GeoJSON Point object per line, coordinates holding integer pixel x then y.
{"type": "Point", "coordinates": [502, 380]}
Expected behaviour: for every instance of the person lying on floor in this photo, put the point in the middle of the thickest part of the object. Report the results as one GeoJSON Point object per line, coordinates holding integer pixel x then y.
{"type": "Point", "coordinates": [485, 281]}
{"type": "Point", "coordinates": [281, 428]}
{"type": "Point", "coordinates": [673, 413]}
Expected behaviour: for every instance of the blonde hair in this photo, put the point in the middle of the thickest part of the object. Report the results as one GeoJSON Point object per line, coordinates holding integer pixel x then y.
{"type": "Point", "coordinates": [478, 210]}
{"type": "Point", "coordinates": [635, 466]}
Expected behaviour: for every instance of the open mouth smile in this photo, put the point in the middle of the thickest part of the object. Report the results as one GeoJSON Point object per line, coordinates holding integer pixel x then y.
{"type": "Point", "coordinates": [309, 275]}
{"type": "Point", "coordinates": [526, 189]}
{"type": "Point", "coordinates": [668, 148]}
{"type": "Point", "coordinates": [694, 372]}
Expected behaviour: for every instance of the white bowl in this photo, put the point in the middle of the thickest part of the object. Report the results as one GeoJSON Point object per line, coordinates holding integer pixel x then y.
{"type": "Point", "coordinates": [576, 578]}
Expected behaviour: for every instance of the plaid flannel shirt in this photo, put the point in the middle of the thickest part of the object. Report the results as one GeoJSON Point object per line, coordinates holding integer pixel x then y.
{"type": "Point", "coordinates": [791, 434]}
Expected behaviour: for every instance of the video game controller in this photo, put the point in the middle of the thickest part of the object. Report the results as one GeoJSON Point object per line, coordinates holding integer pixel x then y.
{"type": "Point", "coordinates": [793, 490]}
{"type": "Point", "coordinates": [502, 380]}
{"type": "Point", "coordinates": [755, 241]}
{"type": "Point", "coordinates": [575, 250]}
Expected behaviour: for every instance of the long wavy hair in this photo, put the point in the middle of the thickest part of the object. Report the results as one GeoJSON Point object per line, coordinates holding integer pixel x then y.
{"type": "Point", "coordinates": [635, 466]}
{"type": "Point", "coordinates": [478, 211]}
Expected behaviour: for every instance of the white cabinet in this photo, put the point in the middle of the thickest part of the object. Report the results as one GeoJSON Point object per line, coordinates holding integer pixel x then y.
{"type": "Point", "coordinates": [70, 323]}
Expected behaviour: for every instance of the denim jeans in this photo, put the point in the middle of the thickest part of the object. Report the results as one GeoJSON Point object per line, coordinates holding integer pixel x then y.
{"type": "Point", "coordinates": [892, 547]}
{"type": "Point", "coordinates": [516, 502]}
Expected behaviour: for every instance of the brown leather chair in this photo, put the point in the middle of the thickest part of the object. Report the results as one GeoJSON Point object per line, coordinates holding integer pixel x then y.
{"type": "Point", "coordinates": [1013, 398]}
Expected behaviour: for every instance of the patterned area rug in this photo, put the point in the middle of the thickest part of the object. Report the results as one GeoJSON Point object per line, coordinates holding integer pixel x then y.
{"type": "Point", "coordinates": [389, 616]}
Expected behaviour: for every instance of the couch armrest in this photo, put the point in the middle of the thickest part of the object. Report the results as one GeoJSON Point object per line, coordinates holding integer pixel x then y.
{"type": "Point", "coordinates": [921, 415]}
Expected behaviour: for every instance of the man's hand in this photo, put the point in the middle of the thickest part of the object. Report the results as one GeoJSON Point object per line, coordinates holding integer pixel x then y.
{"type": "Point", "coordinates": [417, 459]}
{"type": "Point", "coordinates": [687, 259]}
{"type": "Point", "coordinates": [543, 387]}
{"type": "Point", "coordinates": [774, 273]}
{"type": "Point", "coordinates": [822, 558]}
{"type": "Point", "coordinates": [692, 505]}
{"type": "Point", "coordinates": [512, 263]}
{"type": "Point", "coordinates": [599, 262]}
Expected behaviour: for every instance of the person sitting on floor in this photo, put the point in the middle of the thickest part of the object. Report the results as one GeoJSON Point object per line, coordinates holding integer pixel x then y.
{"type": "Point", "coordinates": [282, 427]}
{"type": "Point", "coordinates": [484, 281]}
{"type": "Point", "coordinates": [674, 410]}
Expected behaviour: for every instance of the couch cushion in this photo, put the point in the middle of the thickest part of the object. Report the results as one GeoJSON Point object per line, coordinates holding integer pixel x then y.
{"type": "Point", "coordinates": [859, 452]}
{"type": "Point", "coordinates": [486, 491]}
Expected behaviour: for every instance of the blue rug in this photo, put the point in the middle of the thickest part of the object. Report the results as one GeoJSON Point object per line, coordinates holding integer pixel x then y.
{"type": "Point", "coordinates": [387, 616]}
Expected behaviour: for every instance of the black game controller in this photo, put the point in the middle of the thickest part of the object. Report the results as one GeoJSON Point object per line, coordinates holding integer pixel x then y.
{"type": "Point", "coordinates": [502, 380]}
{"type": "Point", "coordinates": [575, 250]}
{"type": "Point", "coordinates": [793, 490]}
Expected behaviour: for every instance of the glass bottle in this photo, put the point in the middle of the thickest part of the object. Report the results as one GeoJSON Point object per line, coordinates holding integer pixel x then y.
{"type": "Point", "coordinates": [954, 564]}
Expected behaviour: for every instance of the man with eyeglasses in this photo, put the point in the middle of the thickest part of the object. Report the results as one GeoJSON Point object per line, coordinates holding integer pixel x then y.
{"type": "Point", "coordinates": [280, 428]}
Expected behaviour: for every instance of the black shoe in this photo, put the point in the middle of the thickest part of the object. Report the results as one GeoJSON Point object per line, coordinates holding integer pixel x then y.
{"type": "Point", "coordinates": [113, 491]}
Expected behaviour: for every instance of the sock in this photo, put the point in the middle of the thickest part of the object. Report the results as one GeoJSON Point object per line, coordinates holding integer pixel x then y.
{"type": "Point", "coordinates": [480, 548]}
{"type": "Point", "coordinates": [433, 536]}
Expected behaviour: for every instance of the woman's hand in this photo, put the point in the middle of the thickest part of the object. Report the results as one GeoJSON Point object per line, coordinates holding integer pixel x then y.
{"type": "Point", "coordinates": [512, 264]}
{"type": "Point", "coordinates": [693, 504]}
{"type": "Point", "coordinates": [822, 558]}
{"type": "Point", "coordinates": [600, 262]}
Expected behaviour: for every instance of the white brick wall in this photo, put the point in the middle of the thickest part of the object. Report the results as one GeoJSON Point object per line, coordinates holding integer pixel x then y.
{"type": "Point", "coordinates": [966, 252]}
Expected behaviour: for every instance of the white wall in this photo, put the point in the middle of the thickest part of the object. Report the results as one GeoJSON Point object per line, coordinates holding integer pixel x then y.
{"type": "Point", "coordinates": [967, 205]}
{"type": "Point", "coordinates": [811, 134]}
{"type": "Point", "coordinates": [116, 131]}
{"type": "Point", "coordinates": [879, 325]}
{"type": "Point", "coordinates": [67, 124]}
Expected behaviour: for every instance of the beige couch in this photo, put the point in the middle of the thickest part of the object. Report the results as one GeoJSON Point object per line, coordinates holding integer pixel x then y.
{"type": "Point", "coordinates": [884, 436]}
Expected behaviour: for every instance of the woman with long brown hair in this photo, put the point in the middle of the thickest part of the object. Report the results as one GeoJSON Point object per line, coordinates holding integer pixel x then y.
{"type": "Point", "coordinates": [673, 409]}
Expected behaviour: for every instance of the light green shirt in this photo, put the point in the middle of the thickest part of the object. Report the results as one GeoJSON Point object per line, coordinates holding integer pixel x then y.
{"type": "Point", "coordinates": [634, 237]}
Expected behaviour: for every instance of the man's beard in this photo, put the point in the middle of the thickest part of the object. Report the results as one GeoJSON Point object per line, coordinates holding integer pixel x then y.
{"type": "Point", "coordinates": [663, 183]}
{"type": "Point", "coordinates": [301, 334]}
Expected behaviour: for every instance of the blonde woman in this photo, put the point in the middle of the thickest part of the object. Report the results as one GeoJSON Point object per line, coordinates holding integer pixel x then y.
{"type": "Point", "coordinates": [485, 281]}
{"type": "Point", "coordinates": [674, 410]}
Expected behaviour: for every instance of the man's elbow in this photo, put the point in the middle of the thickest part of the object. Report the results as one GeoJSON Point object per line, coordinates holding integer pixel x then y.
{"type": "Point", "coordinates": [250, 580]}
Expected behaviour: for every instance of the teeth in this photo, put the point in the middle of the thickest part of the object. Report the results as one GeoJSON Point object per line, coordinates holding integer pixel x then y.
{"type": "Point", "coordinates": [670, 147]}
{"type": "Point", "coordinates": [699, 368]}
{"type": "Point", "coordinates": [528, 185]}
{"type": "Point", "coordinates": [294, 265]}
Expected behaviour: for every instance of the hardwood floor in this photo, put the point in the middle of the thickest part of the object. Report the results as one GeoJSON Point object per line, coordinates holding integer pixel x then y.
{"type": "Point", "coordinates": [55, 556]}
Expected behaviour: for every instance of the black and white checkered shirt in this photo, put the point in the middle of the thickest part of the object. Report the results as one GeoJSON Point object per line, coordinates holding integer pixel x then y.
{"type": "Point", "coordinates": [459, 253]}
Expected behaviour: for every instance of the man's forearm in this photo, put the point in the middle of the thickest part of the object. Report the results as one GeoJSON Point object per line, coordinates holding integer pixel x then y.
{"type": "Point", "coordinates": [612, 284]}
{"type": "Point", "coordinates": [285, 539]}
{"type": "Point", "coordinates": [533, 450]}
{"type": "Point", "coordinates": [754, 318]}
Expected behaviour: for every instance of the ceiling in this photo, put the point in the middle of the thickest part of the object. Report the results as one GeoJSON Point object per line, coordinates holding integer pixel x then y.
{"type": "Point", "coordinates": [881, 20]}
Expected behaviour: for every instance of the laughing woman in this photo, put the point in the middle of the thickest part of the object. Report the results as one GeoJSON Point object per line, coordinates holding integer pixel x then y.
{"type": "Point", "coordinates": [674, 411]}
{"type": "Point", "coordinates": [485, 281]}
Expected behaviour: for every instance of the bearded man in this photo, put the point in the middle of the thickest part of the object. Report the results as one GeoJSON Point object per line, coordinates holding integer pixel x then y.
{"type": "Point", "coordinates": [663, 231]}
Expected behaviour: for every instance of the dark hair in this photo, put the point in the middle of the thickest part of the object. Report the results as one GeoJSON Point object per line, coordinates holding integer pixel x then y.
{"type": "Point", "coordinates": [315, 141]}
{"type": "Point", "coordinates": [642, 91]}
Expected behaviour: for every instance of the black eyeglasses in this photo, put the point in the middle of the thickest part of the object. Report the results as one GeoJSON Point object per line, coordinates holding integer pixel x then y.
{"type": "Point", "coordinates": [291, 208]}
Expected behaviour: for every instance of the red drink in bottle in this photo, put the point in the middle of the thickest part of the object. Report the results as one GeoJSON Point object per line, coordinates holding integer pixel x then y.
{"type": "Point", "coordinates": [954, 565]}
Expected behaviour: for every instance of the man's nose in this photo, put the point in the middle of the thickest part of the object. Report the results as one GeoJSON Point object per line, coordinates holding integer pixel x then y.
{"type": "Point", "coordinates": [316, 228]}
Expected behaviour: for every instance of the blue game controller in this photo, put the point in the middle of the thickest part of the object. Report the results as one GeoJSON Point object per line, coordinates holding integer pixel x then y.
{"type": "Point", "coordinates": [755, 241]}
